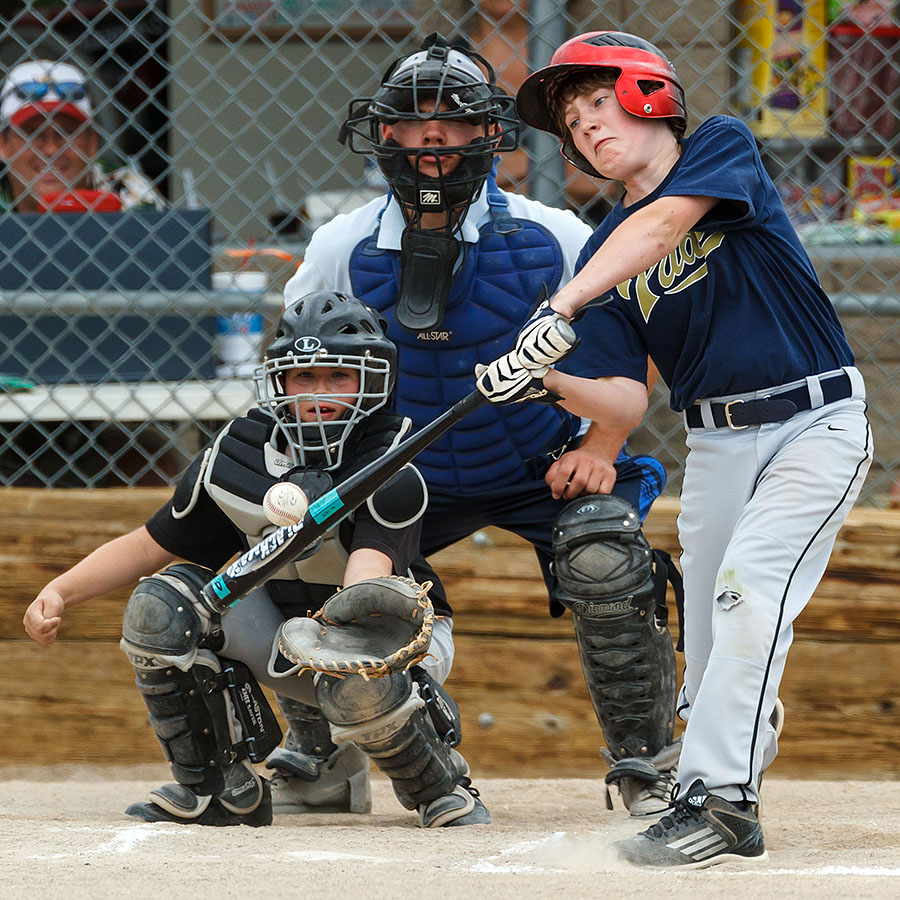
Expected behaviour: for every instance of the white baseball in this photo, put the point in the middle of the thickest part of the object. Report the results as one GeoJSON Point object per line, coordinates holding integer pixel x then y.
{"type": "Point", "coordinates": [285, 503]}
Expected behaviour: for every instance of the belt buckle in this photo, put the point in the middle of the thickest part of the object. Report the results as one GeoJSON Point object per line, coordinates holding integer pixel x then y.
{"type": "Point", "coordinates": [728, 421]}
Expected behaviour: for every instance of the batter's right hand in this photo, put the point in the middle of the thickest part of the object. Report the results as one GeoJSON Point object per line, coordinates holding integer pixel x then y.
{"type": "Point", "coordinates": [43, 616]}
{"type": "Point", "coordinates": [545, 341]}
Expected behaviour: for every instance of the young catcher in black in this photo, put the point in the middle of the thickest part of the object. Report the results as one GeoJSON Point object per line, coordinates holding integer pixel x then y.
{"type": "Point", "coordinates": [323, 392]}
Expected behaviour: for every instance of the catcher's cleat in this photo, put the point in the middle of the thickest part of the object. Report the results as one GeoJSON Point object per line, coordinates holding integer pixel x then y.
{"type": "Point", "coordinates": [462, 806]}
{"type": "Point", "coordinates": [645, 785]}
{"type": "Point", "coordinates": [702, 830]}
{"type": "Point", "coordinates": [178, 803]}
{"type": "Point", "coordinates": [337, 784]}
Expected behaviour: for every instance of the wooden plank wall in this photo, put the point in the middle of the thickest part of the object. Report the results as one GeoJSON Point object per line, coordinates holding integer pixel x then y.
{"type": "Point", "coordinates": [517, 677]}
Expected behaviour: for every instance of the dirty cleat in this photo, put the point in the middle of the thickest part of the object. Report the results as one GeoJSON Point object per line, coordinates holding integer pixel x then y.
{"type": "Point", "coordinates": [645, 784]}
{"type": "Point", "coordinates": [247, 803]}
{"type": "Point", "coordinates": [702, 830]}
{"type": "Point", "coordinates": [305, 784]}
{"type": "Point", "coordinates": [462, 806]}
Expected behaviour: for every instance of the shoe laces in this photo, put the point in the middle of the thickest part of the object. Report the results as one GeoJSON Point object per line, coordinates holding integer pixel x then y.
{"type": "Point", "coordinates": [681, 814]}
{"type": "Point", "coordinates": [662, 787]}
{"type": "Point", "coordinates": [466, 784]}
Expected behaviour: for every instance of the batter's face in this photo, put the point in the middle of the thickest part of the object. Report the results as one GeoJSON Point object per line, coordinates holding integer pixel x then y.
{"type": "Point", "coordinates": [336, 382]}
{"type": "Point", "coordinates": [433, 134]}
{"type": "Point", "coordinates": [616, 143]}
{"type": "Point", "coordinates": [46, 154]}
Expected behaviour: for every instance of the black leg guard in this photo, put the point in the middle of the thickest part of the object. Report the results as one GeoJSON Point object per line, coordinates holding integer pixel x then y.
{"type": "Point", "coordinates": [606, 577]}
{"type": "Point", "coordinates": [308, 739]}
{"type": "Point", "coordinates": [629, 666]}
{"type": "Point", "coordinates": [190, 723]}
{"type": "Point", "coordinates": [387, 719]}
{"type": "Point", "coordinates": [209, 714]}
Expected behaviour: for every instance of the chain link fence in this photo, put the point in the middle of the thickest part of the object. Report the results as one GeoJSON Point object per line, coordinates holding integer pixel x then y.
{"type": "Point", "coordinates": [129, 333]}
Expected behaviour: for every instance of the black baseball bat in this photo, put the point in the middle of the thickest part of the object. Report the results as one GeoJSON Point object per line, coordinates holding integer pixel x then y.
{"type": "Point", "coordinates": [285, 544]}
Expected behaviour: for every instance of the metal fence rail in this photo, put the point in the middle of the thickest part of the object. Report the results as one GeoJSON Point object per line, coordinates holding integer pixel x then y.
{"type": "Point", "coordinates": [124, 351]}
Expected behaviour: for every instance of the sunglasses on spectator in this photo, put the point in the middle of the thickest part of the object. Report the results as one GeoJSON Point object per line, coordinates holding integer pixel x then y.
{"type": "Point", "coordinates": [38, 90]}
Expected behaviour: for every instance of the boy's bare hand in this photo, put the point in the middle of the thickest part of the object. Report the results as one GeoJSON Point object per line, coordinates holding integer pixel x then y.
{"type": "Point", "coordinates": [579, 472]}
{"type": "Point", "coordinates": [43, 616]}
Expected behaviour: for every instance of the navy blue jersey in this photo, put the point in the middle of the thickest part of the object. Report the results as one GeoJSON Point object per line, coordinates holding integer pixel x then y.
{"type": "Point", "coordinates": [736, 307]}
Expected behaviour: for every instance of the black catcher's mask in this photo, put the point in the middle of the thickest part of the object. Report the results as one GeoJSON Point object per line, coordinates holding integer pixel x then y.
{"type": "Point", "coordinates": [440, 81]}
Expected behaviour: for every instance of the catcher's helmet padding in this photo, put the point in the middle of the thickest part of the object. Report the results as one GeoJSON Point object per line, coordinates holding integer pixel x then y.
{"type": "Point", "coordinates": [326, 329]}
{"type": "Point", "coordinates": [647, 85]}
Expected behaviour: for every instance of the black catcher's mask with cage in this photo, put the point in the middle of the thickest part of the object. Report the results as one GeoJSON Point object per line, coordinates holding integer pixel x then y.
{"type": "Point", "coordinates": [446, 82]}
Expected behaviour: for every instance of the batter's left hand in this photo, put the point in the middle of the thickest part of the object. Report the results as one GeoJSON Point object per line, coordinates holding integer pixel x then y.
{"type": "Point", "coordinates": [579, 472]}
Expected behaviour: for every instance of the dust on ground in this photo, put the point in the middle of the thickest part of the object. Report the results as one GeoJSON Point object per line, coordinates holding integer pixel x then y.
{"type": "Point", "coordinates": [63, 834]}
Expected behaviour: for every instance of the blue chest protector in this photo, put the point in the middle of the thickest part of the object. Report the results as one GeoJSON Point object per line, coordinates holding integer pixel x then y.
{"type": "Point", "coordinates": [495, 287]}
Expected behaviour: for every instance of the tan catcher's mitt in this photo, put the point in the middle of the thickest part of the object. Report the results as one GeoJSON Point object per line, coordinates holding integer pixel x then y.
{"type": "Point", "coordinates": [371, 628]}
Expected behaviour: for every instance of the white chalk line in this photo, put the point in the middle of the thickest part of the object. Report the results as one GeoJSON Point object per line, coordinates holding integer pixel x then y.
{"type": "Point", "coordinates": [336, 856]}
{"type": "Point", "coordinates": [128, 838]}
{"type": "Point", "coordinates": [124, 840]}
{"type": "Point", "coordinates": [823, 871]}
{"type": "Point", "coordinates": [489, 866]}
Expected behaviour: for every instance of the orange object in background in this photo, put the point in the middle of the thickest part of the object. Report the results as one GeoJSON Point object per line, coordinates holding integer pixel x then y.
{"type": "Point", "coordinates": [80, 201]}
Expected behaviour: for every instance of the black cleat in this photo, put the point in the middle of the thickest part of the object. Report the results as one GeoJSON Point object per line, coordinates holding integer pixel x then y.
{"type": "Point", "coordinates": [179, 804]}
{"type": "Point", "coordinates": [702, 830]}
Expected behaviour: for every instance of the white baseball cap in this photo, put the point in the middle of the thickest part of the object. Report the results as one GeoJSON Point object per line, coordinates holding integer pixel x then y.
{"type": "Point", "coordinates": [40, 87]}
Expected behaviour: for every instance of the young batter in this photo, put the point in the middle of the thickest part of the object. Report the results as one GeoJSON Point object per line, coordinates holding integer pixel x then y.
{"type": "Point", "coordinates": [705, 273]}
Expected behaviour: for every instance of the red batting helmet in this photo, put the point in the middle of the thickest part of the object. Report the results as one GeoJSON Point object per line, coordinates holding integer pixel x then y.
{"type": "Point", "coordinates": [647, 84]}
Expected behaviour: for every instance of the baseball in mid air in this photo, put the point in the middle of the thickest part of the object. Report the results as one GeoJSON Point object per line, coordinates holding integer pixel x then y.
{"type": "Point", "coordinates": [285, 503]}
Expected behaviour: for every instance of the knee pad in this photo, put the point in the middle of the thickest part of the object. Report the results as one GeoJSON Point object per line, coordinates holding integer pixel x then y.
{"type": "Point", "coordinates": [601, 557]}
{"type": "Point", "coordinates": [366, 710]}
{"type": "Point", "coordinates": [605, 576]}
{"type": "Point", "coordinates": [162, 619]}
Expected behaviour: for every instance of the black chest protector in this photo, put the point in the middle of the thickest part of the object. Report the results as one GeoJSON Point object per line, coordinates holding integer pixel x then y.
{"type": "Point", "coordinates": [244, 463]}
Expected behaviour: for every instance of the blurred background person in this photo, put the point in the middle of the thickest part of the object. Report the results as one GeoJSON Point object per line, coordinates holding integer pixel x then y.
{"type": "Point", "coordinates": [49, 146]}
{"type": "Point", "coordinates": [500, 31]}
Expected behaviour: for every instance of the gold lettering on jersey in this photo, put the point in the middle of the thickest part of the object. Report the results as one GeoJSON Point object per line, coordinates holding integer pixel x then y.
{"type": "Point", "coordinates": [684, 266]}
{"type": "Point", "coordinates": [434, 335]}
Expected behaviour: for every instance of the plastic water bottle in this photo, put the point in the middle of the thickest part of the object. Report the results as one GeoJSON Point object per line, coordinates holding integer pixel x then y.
{"type": "Point", "coordinates": [239, 335]}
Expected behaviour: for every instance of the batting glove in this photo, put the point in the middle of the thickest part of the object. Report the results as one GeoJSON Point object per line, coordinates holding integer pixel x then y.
{"type": "Point", "coordinates": [545, 341]}
{"type": "Point", "coordinates": [506, 380]}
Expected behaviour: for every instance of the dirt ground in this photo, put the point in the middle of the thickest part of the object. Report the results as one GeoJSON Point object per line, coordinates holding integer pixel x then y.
{"type": "Point", "coordinates": [63, 834]}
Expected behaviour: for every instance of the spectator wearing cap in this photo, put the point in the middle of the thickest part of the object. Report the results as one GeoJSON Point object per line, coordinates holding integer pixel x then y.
{"type": "Point", "coordinates": [49, 146]}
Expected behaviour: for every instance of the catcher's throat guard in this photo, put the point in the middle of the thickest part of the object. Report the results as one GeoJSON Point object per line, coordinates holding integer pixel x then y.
{"type": "Point", "coordinates": [427, 260]}
{"type": "Point", "coordinates": [372, 628]}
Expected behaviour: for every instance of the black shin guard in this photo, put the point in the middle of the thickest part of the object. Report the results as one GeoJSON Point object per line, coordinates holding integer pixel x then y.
{"type": "Point", "coordinates": [629, 667]}
{"type": "Point", "coordinates": [192, 725]}
{"type": "Point", "coordinates": [604, 568]}
{"type": "Point", "coordinates": [386, 718]}
{"type": "Point", "coordinates": [308, 742]}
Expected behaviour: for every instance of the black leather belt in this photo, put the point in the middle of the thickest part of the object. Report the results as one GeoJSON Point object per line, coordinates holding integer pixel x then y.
{"type": "Point", "coordinates": [738, 414]}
